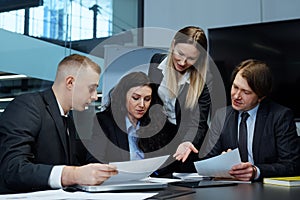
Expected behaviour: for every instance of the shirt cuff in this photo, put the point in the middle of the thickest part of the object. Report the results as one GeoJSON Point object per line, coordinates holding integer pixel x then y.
{"type": "Point", "coordinates": [257, 173]}
{"type": "Point", "coordinates": [55, 177]}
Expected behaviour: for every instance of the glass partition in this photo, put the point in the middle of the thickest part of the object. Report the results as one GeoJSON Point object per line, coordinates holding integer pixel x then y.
{"type": "Point", "coordinates": [71, 24]}
{"type": "Point", "coordinates": [63, 19]}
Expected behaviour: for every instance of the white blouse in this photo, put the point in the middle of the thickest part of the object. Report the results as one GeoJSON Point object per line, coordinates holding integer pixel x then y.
{"type": "Point", "coordinates": [163, 91]}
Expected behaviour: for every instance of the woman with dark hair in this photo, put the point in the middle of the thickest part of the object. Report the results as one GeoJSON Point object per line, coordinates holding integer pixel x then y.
{"type": "Point", "coordinates": [120, 128]}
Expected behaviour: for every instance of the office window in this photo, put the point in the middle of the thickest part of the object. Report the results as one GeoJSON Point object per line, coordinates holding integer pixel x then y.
{"type": "Point", "coordinates": [13, 21]}
{"type": "Point", "coordinates": [64, 22]}
{"type": "Point", "coordinates": [63, 19]}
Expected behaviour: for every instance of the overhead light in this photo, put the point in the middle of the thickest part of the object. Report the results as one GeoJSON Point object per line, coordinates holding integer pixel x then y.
{"type": "Point", "coordinates": [16, 76]}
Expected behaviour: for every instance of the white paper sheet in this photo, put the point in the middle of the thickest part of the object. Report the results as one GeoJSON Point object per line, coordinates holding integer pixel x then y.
{"type": "Point", "coordinates": [161, 180]}
{"type": "Point", "coordinates": [190, 176]}
{"type": "Point", "coordinates": [218, 166]}
{"type": "Point", "coordinates": [61, 194]}
{"type": "Point", "coordinates": [135, 170]}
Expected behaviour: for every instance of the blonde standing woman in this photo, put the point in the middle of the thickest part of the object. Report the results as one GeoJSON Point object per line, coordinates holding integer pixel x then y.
{"type": "Point", "coordinates": [180, 77]}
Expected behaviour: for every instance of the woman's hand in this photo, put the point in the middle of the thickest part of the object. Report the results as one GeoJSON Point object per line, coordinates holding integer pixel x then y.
{"type": "Point", "coordinates": [184, 150]}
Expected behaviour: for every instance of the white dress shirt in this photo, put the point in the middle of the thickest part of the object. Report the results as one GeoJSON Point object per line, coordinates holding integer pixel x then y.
{"type": "Point", "coordinates": [56, 172]}
{"type": "Point", "coordinates": [163, 91]}
{"type": "Point", "coordinates": [250, 133]}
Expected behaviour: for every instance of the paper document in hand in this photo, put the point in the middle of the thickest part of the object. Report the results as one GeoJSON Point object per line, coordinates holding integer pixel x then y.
{"type": "Point", "coordinates": [136, 169]}
{"type": "Point", "coordinates": [218, 166]}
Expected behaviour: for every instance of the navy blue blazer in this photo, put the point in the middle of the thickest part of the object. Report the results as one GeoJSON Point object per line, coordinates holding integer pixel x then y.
{"type": "Point", "coordinates": [276, 150]}
{"type": "Point", "coordinates": [32, 141]}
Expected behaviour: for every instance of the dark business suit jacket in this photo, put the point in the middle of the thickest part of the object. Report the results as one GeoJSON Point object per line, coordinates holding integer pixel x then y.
{"type": "Point", "coordinates": [191, 124]}
{"type": "Point", "coordinates": [276, 151]}
{"type": "Point", "coordinates": [109, 141]}
{"type": "Point", "coordinates": [32, 141]}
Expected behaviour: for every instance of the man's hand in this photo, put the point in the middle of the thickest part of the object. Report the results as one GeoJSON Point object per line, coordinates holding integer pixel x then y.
{"type": "Point", "coordinates": [184, 150]}
{"type": "Point", "coordinates": [91, 174]}
{"type": "Point", "coordinates": [244, 171]}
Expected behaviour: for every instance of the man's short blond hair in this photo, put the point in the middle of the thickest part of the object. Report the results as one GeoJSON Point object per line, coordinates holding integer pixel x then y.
{"type": "Point", "coordinates": [74, 62]}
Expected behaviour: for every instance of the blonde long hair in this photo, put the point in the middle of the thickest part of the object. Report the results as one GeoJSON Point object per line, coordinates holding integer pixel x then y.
{"type": "Point", "coordinates": [195, 36]}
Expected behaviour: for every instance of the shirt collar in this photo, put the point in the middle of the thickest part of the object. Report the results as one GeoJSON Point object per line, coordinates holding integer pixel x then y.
{"type": "Point", "coordinates": [185, 78]}
{"type": "Point", "coordinates": [129, 124]}
{"type": "Point", "coordinates": [252, 112]}
{"type": "Point", "coordinates": [61, 110]}
{"type": "Point", "coordinates": [163, 66]}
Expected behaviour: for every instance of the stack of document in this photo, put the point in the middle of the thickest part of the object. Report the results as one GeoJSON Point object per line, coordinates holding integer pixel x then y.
{"type": "Point", "coordinates": [132, 175]}
{"type": "Point", "coordinates": [218, 166]}
{"type": "Point", "coordinates": [135, 170]}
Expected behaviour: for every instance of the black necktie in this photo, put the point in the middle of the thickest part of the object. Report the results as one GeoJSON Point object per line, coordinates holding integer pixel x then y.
{"type": "Point", "coordinates": [66, 121]}
{"type": "Point", "coordinates": [243, 137]}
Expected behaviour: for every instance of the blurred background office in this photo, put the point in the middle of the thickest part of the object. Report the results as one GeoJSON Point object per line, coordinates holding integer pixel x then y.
{"type": "Point", "coordinates": [36, 34]}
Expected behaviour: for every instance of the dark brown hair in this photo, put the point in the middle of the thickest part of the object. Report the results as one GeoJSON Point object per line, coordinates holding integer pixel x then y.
{"type": "Point", "coordinates": [117, 96]}
{"type": "Point", "coordinates": [257, 74]}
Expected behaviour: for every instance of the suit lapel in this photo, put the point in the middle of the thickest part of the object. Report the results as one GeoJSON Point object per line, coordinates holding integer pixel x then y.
{"type": "Point", "coordinates": [122, 140]}
{"type": "Point", "coordinates": [233, 129]}
{"type": "Point", "coordinates": [261, 118]}
{"type": "Point", "coordinates": [52, 107]}
{"type": "Point", "coordinates": [157, 73]}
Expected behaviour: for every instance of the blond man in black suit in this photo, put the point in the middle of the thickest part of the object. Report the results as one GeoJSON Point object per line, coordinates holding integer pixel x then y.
{"type": "Point", "coordinates": [37, 152]}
